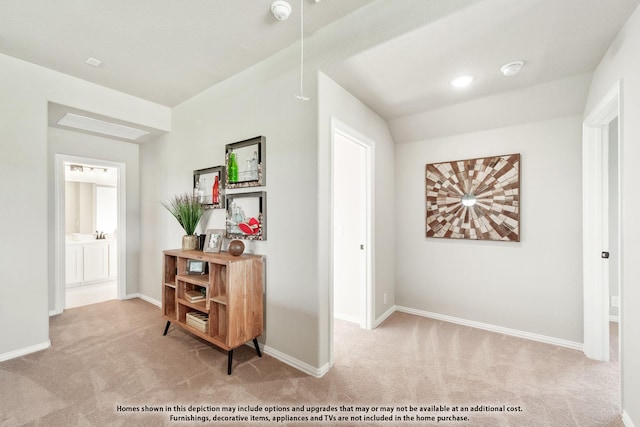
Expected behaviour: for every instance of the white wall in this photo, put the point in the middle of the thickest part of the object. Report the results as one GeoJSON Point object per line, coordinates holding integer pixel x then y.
{"type": "Point", "coordinates": [533, 286]}
{"type": "Point", "coordinates": [336, 102]}
{"type": "Point", "coordinates": [61, 141]}
{"type": "Point", "coordinates": [257, 102]}
{"type": "Point", "coordinates": [622, 62]}
{"type": "Point", "coordinates": [24, 93]}
{"type": "Point", "coordinates": [260, 101]}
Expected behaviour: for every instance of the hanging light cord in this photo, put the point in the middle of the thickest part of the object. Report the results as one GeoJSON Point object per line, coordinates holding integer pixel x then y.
{"type": "Point", "coordinates": [301, 96]}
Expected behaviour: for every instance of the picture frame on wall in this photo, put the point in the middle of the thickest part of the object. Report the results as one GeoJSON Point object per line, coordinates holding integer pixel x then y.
{"type": "Point", "coordinates": [246, 216]}
{"type": "Point", "coordinates": [213, 241]}
{"type": "Point", "coordinates": [209, 187]}
{"type": "Point", "coordinates": [245, 163]}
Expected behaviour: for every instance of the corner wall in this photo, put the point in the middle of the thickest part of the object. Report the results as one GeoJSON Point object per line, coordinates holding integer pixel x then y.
{"type": "Point", "coordinates": [534, 286]}
{"type": "Point", "coordinates": [336, 102]}
{"type": "Point", "coordinates": [622, 62]}
{"type": "Point", "coordinates": [24, 95]}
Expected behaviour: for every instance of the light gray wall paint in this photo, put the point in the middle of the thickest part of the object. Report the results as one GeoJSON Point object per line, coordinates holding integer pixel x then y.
{"type": "Point", "coordinates": [336, 102]}
{"type": "Point", "coordinates": [24, 176]}
{"type": "Point", "coordinates": [61, 141]}
{"type": "Point", "coordinates": [621, 63]}
{"type": "Point", "coordinates": [534, 285]}
{"type": "Point", "coordinates": [260, 101]}
{"type": "Point", "coordinates": [257, 102]}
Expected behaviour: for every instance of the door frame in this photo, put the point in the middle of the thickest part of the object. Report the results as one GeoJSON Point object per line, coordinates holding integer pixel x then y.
{"type": "Point", "coordinates": [59, 221]}
{"type": "Point", "coordinates": [595, 194]}
{"type": "Point", "coordinates": [367, 294]}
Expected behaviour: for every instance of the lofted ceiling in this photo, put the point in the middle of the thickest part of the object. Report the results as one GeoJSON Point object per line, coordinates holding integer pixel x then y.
{"type": "Point", "coordinates": [555, 38]}
{"type": "Point", "coordinates": [167, 51]}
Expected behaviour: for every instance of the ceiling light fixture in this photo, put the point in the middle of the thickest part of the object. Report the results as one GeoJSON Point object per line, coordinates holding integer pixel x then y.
{"type": "Point", "coordinates": [281, 10]}
{"type": "Point", "coordinates": [94, 62]}
{"type": "Point", "coordinates": [99, 126]}
{"type": "Point", "coordinates": [512, 68]}
{"type": "Point", "coordinates": [461, 81]}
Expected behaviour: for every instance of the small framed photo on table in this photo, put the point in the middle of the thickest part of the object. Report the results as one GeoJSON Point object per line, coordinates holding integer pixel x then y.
{"type": "Point", "coordinates": [196, 267]}
{"type": "Point", "coordinates": [213, 241]}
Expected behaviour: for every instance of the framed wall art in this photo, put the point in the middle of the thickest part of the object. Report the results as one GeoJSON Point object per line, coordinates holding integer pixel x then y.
{"type": "Point", "coordinates": [477, 199]}
{"type": "Point", "coordinates": [246, 216]}
{"type": "Point", "coordinates": [208, 187]}
{"type": "Point", "coordinates": [246, 163]}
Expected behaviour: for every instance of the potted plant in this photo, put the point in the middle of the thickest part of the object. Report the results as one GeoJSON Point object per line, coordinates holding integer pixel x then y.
{"type": "Point", "coordinates": [188, 211]}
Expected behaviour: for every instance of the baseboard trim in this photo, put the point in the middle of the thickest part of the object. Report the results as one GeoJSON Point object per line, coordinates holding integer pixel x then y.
{"type": "Point", "coordinates": [615, 319]}
{"type": "Point", "coordinates": [626, 419]}
{"type": "Point", "coordinates": [24, 351]}
{"type": "Point", "coordinates": [493, 328]}
{"type": "Point", "coordinates": [293, 362]}
{"type": "Point", "coordinates": [384, 316]}
{"type": "Point", "coordinates": [145, 298]}
{"type": "Point", "coordinates": [346, 318]}
{"type": "Point", "coordinates": [54, 312]}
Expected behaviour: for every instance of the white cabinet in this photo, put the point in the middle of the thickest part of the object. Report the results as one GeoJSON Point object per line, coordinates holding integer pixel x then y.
{"type": "Point", "coordinates": [73, 263]}
{"type": "Point", "coordinates": [90, 262]}
{"type": "Point", "coordinates": [95, 261]}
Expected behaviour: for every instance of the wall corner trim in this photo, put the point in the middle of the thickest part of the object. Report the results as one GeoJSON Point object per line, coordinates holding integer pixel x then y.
{"type": "Point", "coordinates": [385, 315]}
{"type": "Point", "coordinates": [493, 328]}
{"type": "Point", "coordinates": [24, 351]}
{"type": "Point", "coordinates": [293, 362]}
{"type": "Point", "coordinates": [145, 298]}
{"type": "Point", "coordinates": [626, 419]}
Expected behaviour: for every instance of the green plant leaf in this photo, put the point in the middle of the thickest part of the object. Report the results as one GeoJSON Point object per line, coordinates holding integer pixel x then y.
{"type": "Point", "coordinates": [187, 210]}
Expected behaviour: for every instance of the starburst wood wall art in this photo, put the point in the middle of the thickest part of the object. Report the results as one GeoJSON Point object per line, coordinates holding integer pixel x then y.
{"type": "Point", "coordinates": [477, 199]}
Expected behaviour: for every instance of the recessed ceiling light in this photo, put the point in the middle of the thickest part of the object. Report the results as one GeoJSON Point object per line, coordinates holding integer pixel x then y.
{"type": "Point", "coordinates": [94, 62]}
{"type": "Point", "coordinates": [99, 126]}
{"type": "Point", "coordinates": [512, 68]}
{"type": "Point", "coordinates": [461, 81]}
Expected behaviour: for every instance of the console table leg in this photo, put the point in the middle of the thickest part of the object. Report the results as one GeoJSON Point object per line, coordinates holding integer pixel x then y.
{"type": "Point", "coordinates": [255, 343]}
{"type": "Point", "coordinates": [230, 356]}
{"type": "Point", "coordinates": [166, 328]}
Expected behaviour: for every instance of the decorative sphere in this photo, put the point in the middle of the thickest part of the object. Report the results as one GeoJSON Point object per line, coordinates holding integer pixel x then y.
{"type": "Point", "coordinates": [236, 247]}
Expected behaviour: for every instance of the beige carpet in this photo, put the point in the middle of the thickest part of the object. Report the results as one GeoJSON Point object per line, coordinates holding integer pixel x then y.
{"type": "Point", "coordinates": [113, 354]}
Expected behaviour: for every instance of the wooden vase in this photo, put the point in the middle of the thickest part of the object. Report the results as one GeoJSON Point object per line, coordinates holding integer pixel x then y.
{"type": "Point", "coordinates": [189, 242]}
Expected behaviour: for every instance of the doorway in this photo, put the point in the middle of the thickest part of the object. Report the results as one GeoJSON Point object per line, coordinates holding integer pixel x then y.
{"type": "Point", "coordinates": [89, 231]}
{"type": "Point", "coordinates": [602, 226]}
{"type": "Point", "coordinates": [351, 227]}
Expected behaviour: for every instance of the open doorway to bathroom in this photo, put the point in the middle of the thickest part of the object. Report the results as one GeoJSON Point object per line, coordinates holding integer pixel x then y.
{"type": "Point", "coordinates": [89, 269]}
{"type": "Point", "coordinates": [91, 233]}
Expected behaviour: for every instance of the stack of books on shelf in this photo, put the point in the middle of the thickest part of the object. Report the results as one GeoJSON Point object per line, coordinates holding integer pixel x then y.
{"type": "Point", "coordinates": [197, 320]}
{"type": "Point", "coordinates": [194, 296]}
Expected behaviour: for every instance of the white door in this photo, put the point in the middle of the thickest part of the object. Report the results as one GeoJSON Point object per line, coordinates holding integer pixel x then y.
{"type": "Point", "coordinates": [350, 229]}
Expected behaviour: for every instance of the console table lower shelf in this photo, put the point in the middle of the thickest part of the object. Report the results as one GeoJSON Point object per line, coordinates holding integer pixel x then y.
{"type": "Point", "coordinates": [229, 352]}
